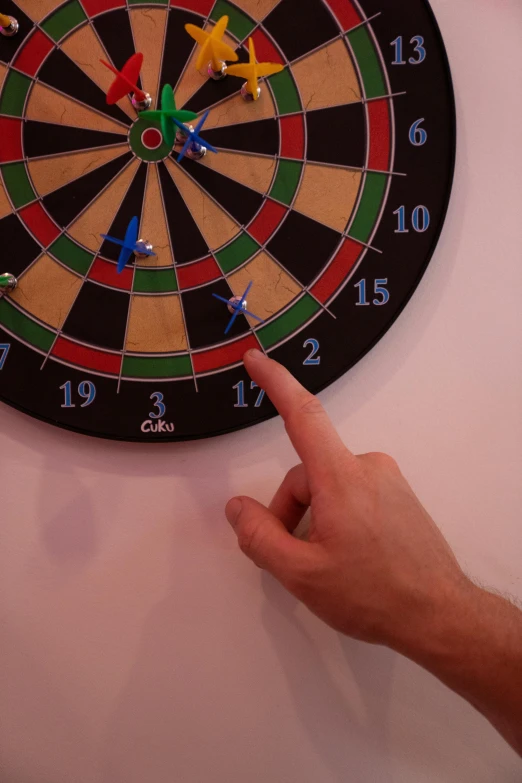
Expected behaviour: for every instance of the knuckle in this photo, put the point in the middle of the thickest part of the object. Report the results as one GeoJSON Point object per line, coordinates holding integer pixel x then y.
{"type": "Point", "coordinates": [249, 540]}
{"type": "Point", "coordinates": [307, 405]}
{"type": "Point", "coordinates": [381, 461]}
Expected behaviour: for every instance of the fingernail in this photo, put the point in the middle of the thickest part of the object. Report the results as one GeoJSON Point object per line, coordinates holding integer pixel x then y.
{"type": "Point", "coordinates": [233, 510]}
{"type": "Point", "coordinates": [255, 354]}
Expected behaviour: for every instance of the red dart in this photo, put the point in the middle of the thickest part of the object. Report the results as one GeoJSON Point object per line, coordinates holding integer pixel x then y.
{"type": "Point", "coordinates": [126, 79]}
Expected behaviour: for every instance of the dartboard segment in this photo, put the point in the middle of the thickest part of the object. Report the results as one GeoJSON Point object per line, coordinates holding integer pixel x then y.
{"type": "Point", "coordinates": [315, 191]}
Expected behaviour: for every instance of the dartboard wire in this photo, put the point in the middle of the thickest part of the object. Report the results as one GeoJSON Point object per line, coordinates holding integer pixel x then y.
{"type": "Point", "coordinates": [60, 330]}
{"type": "Point", "coordinates": [391, 110]}
{"type": "Point", "coordinates": [189, 58]}
{"type": "Point", "coordinates": [325, 164]}
{"type": "Point", "coordinates": [37, 81]}
{"type": "Point", "coordinates": [64, 229]}
{"type": "Point", "coordinates": [94, 30]}
{"type": "Point", "coordinates": [95, 257]}
{"type": "Point", "coordinates": [185, 325]}
{"type": "Point", "coordinates": [289, 208]}
{"type": "Point", "coordinates": [58, 45]}
{"type": "Point", "coordinates": [123, 351]}
{"type": "Point", "coordinates": [339, 37]}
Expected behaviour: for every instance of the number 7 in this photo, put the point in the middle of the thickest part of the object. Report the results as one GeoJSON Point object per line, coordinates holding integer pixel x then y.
{"type": "Point", "coordinates": [4, 348]}
{"type": "Point", "coordinates": [260, 396]}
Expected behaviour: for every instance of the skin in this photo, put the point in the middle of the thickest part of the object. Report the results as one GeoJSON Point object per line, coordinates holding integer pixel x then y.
{"type": "Point", "coordinates": [375, 566]}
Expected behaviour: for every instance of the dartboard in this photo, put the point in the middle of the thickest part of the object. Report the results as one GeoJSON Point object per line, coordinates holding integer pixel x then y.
{"type": "Point", "coordinates": [304, 236]}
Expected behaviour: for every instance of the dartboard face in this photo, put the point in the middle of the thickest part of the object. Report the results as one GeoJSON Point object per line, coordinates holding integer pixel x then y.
{"type": "Point", "coordinates": [327, 194]}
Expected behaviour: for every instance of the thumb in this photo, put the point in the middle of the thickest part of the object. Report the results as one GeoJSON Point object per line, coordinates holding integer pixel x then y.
{"type": "Point", "coordinates": [266, 541]}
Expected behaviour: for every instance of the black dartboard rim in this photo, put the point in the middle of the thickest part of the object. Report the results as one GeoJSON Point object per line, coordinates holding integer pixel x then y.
{"type": "Point", "coordinates": [232, 378]}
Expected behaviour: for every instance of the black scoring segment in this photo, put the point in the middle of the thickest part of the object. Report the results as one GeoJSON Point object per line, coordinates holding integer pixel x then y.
{"type": "Point", "coordinates": [238, 200]}
{"type": "Point", "coordinates": [215, 92]}
{"type": "Point", "coordinates": [18, 246]}
{"type": "Point", "coordinates": [178, 46]}
{"type": "Point", "coordinates": [119, 46]}
{"type": "Point", "coordinates": [60, 72]}
{"type": "Point", "coordinates": [10, 45]}
{"type": "Point", "coordinates": [207, 317]}
{"type": "Point", "coordinates": [303, 246]}
{"type": "Point", "coordinates": [299, 26]}
{"type": "Point", "coordinates": [337, 135]}
{"type": "Point", "coordinates": [99, 316]}
{"type": "Point", "coordinates": [66, 203]}
{"type": "Point", "coordinates": [186, 239]}
{"type": "Point", "coordinates": [131, 206]}
{"type": "Point", "coordinates": [260, 137]}
{"type": "Point", "coordinates": [44, 138]}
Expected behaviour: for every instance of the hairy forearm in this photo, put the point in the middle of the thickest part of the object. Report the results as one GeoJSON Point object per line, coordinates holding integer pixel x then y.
{"type": "Point", "coordinates": [474, 646]}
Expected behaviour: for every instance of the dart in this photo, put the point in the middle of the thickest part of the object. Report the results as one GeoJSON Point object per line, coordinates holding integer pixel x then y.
{"type": "Point", "coordinates": [237, 305]}
{"type": "Point", "coordinates": [195, 147]}
{"type": "Point", "coordinates": [8, 282]}
{"type": "Point", "coordinates": [131, 244]}
{"type": "Point", "coordinates": [252, 71]}
{"type": "Point", "coordinates": [8, 25]}
{"type": "Point", "coordinates": [213, 51]}
{"type": "Point", "coordinates": [167, 114]}
{"type": "Point", "coordinates": [125, 83]}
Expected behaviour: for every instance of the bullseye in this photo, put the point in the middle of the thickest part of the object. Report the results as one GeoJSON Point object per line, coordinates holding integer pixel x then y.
{"type": "Point", "coordinates": [151, 138]}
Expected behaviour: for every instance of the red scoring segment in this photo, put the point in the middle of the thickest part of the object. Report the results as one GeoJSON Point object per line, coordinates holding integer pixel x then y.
{"type": "Point", "coordinates": [265, 49]}
{"type": "Point", "coordinates": [336, 274]}
{"type": "Point", "coordinates": [33, 53]}
{"type": "Point", "coordinates": [380, 146]}
{"type": "Point", "coordinates": [10, 139]}
{"type": "Point", "coordinates": [93, 7]}
{"type": "Point", "coordinates": [90, 358]}
{"type": "Point", "coordinates": [199, 273]}
{"type": "Point", "coordinates": [346, 13]}
{"type": "Point", "coordinates": [206, 361]}
{"type": "Point", "coordinates": [40, 224]}
{"type": "Point", "coordinates": [267, 220]}
{"type": "Point", "coordinates": [292, 136]}
{"type": "Point", "coordinates": [104, 272]}
{"type": "Point", "coordinates": [151, 138]}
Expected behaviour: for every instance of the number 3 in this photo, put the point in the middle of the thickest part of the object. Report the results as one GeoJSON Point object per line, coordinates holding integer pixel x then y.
{"type": "Point", "coordinates": [157, 397]}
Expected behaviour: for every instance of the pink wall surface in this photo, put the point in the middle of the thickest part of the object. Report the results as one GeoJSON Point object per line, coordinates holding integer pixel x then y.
{"type": "Point", "coordinates": [138, 644]}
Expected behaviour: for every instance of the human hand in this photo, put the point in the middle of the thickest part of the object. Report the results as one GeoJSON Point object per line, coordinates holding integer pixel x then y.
{"type": "Point", "coordinates": [375, 566]}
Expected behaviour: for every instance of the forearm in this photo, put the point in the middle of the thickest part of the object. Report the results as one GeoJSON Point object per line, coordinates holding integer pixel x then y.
{"type": "Point", "coordinates": [474, 646]}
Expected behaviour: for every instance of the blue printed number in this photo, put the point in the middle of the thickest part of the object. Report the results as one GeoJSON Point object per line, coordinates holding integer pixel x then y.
{"type": "Point", "coordinates": [420, 220]}
{"type": "Point", "coordinates": [86, 390]}
{"type": "Point", "coordinates": [380, 290]}
{"type": "Point", "coordinates": [313, 359]}
{"type": "Point", "coordinates": [418, 136]}
{"type": "Point", "coordinates": [240, 389]}
{"type": "Point", "coordinates": [4, 350]}
{"type": "Point", "coordinates": [157, 399]}
{"type": "Point", "coordinates": [419, 51]}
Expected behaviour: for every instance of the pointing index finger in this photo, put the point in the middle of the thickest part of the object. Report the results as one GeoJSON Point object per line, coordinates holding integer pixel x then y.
{"type": "Point", "coordinates": [307, 424]}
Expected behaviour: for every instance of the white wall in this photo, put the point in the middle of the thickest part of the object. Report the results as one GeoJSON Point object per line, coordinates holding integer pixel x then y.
{"type": "Point", "coordinates": [138, 644]}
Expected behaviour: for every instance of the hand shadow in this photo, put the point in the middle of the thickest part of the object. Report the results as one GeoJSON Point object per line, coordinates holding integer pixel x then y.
{"type": "Point", "coordinates": [349, 735]}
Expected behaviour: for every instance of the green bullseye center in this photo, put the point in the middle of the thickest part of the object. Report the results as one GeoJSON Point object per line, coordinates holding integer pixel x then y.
{"type": "Point", "coordinates": [144, 136]}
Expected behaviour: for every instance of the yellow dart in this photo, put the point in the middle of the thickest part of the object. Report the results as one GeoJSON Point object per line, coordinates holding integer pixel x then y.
{"type": "Point", "coordinates": [8, 26]}
{"type": "Point", "coordinates": [252, 72]}
{"type": "Point", "coordinates": [213, 50]}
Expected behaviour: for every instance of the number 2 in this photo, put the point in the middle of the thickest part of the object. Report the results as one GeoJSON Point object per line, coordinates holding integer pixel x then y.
{"type": "Point", "coordinates": [312, 359]}
{"type": "Point", "coordinates": [4, 348]}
